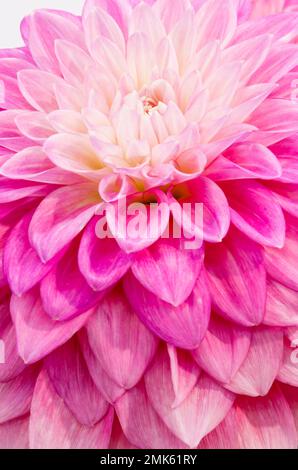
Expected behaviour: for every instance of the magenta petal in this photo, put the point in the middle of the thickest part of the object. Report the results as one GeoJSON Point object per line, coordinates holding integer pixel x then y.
{"type": "Point", "coordinates": [281, 264]}
{"type": "Point", "coordinates": [16, 395]}
{"type": "Point", "coordinates": [14, 434]}
{"type": "Point", "coordinates": [52, 425]}
{"type": "Point", "coordinates": [201, 411]}
{"type": "Point", "coordinates": [237, 279]}
{"type": "Point", "coordinates": [256, 423]}
{"type": "Point", "coordinates": [37, 334]}
{"type": "Point", "coordinates": [267, 422]}
{"type": "Point", "coordinates": [182, 326]}
{"type": "Point", "coordinates": [122, 344]}
{"type": "Point", "coordinates": [22, 265]}
{"type": "Point", "coordinates": [64, 300]}
{"type": "Point", "coordinates": [245, 161]}
{"type": "Point", "coordinates": [184, 373]}
{"type": "Point", "coordinates": [141, 424]}
{"type": "Point", "coordinates": [108, 388]}
{"type": "Point", "coordinates": [60, 217]}
{"type": "Point", "coordinates": [101, 261]}
{"type": "Point", "coordinates": [281, 305]}
{"type": "Point", "coordinates": [69, 375]}
{"type": "Point", "coordinates": [223, 349]}
{"type": "Point", "coordinates": [253, 378]}
{"type": "Point", "coordinates": [157, 267]}
{"type": "Point", "coordinates": [255, 212]}
{"type": "Point", "coordinates": [216, 213]}
{"type": "Point", "coordinates": [288, 372]}
{"type": "Point", "coordinates": [135, 229]}
{"type": "Point", "coordinates": [13, 364]}
{"type": "Point", "coordinates": [43, 28]}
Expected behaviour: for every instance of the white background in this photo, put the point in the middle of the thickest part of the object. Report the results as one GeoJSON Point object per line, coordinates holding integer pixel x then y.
{"type": "Point", "coordinates": [13, 11]}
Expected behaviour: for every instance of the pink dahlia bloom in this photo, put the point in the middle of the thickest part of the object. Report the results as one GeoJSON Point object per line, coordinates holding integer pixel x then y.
{"type": "Point", "coordinates": [135, 342]}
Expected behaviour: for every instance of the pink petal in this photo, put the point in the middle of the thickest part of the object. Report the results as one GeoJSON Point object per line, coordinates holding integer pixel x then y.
{"type": "Point", "coordinates": [200, 412]}
{"type": "Point", "coordinates": [60, 217]}
{"type": "Point", "coordinates": [37, 334]}
{"type": "Point", "coordinates": [73, 62]}
{"type": "Point", "coordinates": [184, 373]}
{"type": "Point", "coordinates": [118, 11]}
{"type": "Point", "coordinates": [245, 161]}
{"type": "Point", "coordinates": [267, 422]}
{"type": "Point", "coordinates": [101, 261]}
{"type": "Point", "coordinates": [64, 300]}
{"type": "Point", "coordinates": [281, 263]}
{"type": "Point", "coordinates": [255, 212]}
{"type": "Point", "coordinates": [215, 209]}
{"type": "Point", "coordinates": [182, 326]}
{"type": "Point", "coordinates": [34, 125]}
{"type": "Point", "coordinates": [44, 28]}
{"type": "Point", "coordinates": [141, 424]}
{"type": "Point", "coordinates": [15, 190]}
{"type": "Point", "coordinates": [109, 389]}
{"type": "Point", "coordinates": [281, 305]}
{"type": "Point", "coordinates": [237, 279]}
{"type": "Point", "coordinates": [253, 378]}
{"type": "Point", "coordinates": [73, 152]}
{"type": "Point", "coordinates": [121, 343]}
{"type": "Point", "coordinates": [22, 265]}
{"type": "Point", "coordinates": [13, 365]}
{"type": "Point", "coordinates": [11, 95]}
{"type": "Point", "coordinates": [32, 164]}
{"type": "Point", "coordinates": [216, 21]}
{"type": "Point", "coordinates": [99, 23]}
{"type": "Point", "coordinates": [288, 372]}
{"type": "Point", "coordinates": [157, 267]}
{"type": "Point", "coordinates": [134, 227]}
{"type": "Point", "coordinates": [15, 434]}
{"type": "Point", "coordinates": [16, 395]}
{"type": "Point", "coordinates": [39, 89]}
{"type": "Point", "coordinates": [69, 375]}
{"type": "Point", "coordinates": [63, 431]}
{"type": "Point", "coordinates": [223, 349]}
{"type": "Point", "coordinates": [256, 423]}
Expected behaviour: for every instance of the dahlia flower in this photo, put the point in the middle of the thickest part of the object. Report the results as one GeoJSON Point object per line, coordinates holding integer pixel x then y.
{"type": "Point", "coordinates": [129, 341]}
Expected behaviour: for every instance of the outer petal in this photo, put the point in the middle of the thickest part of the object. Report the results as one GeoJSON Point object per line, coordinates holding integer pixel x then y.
{"type": "Point", "coordinates": [101, 261]}
{"type": "Point", "coordinates": [200, 412]}
{"type": "Point", "coordinates": [52, 426]}
{"type": "Point", "coordinates": [184, 373]}
{"type": "Point", "coordinates": [22, 265]}
{"type": "Point", "coordinates": [237, 279]}
{"type": "Point", "coordinates": [281, 263]}
{"type": "Point", "coordinates": [255, 212]}
{"type": "Point", "coordinates": [109, 389]}
{"type": "Point", "coordinates": [69, 375]}
{"type": "Point", "coordinates": [281, 305]}
{"type": "Point", "coordinates": [13, 365]}
{"type": "Point", "coordinates": [43, 28]}
{"type": "Point", "coordinates": [60, 217]}
{"type": "Point", "coordinates": [256, 423]}
{"type": "Point", "coordinates": [141, 424]}
{"type": "Point", "coordinates": [37, 334]}
{"type": "Point", "coordinates": [182, 326]}
{"type": "Point", "coordinates": [16, 395]}
{"type": "Point", "coordinates": [253, 378]}
{"type": "Point", "coordinates": [122, 344]}
{"type": "Point", "coordinates": [223, 349]}
{"type": "Point", "coordinates": [157, 267]}
{"type": "Point", "coordinates": [14, 434]}
{"type": "Point", "coordinates": [64, 300]}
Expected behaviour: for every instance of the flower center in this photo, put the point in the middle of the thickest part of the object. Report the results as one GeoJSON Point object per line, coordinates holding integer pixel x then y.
{"type": "Point", "coordinates": [149, 104]}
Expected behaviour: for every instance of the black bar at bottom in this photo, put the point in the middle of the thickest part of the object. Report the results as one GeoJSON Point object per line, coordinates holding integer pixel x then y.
{"type": "Point", "coordinates": [139, 458]}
